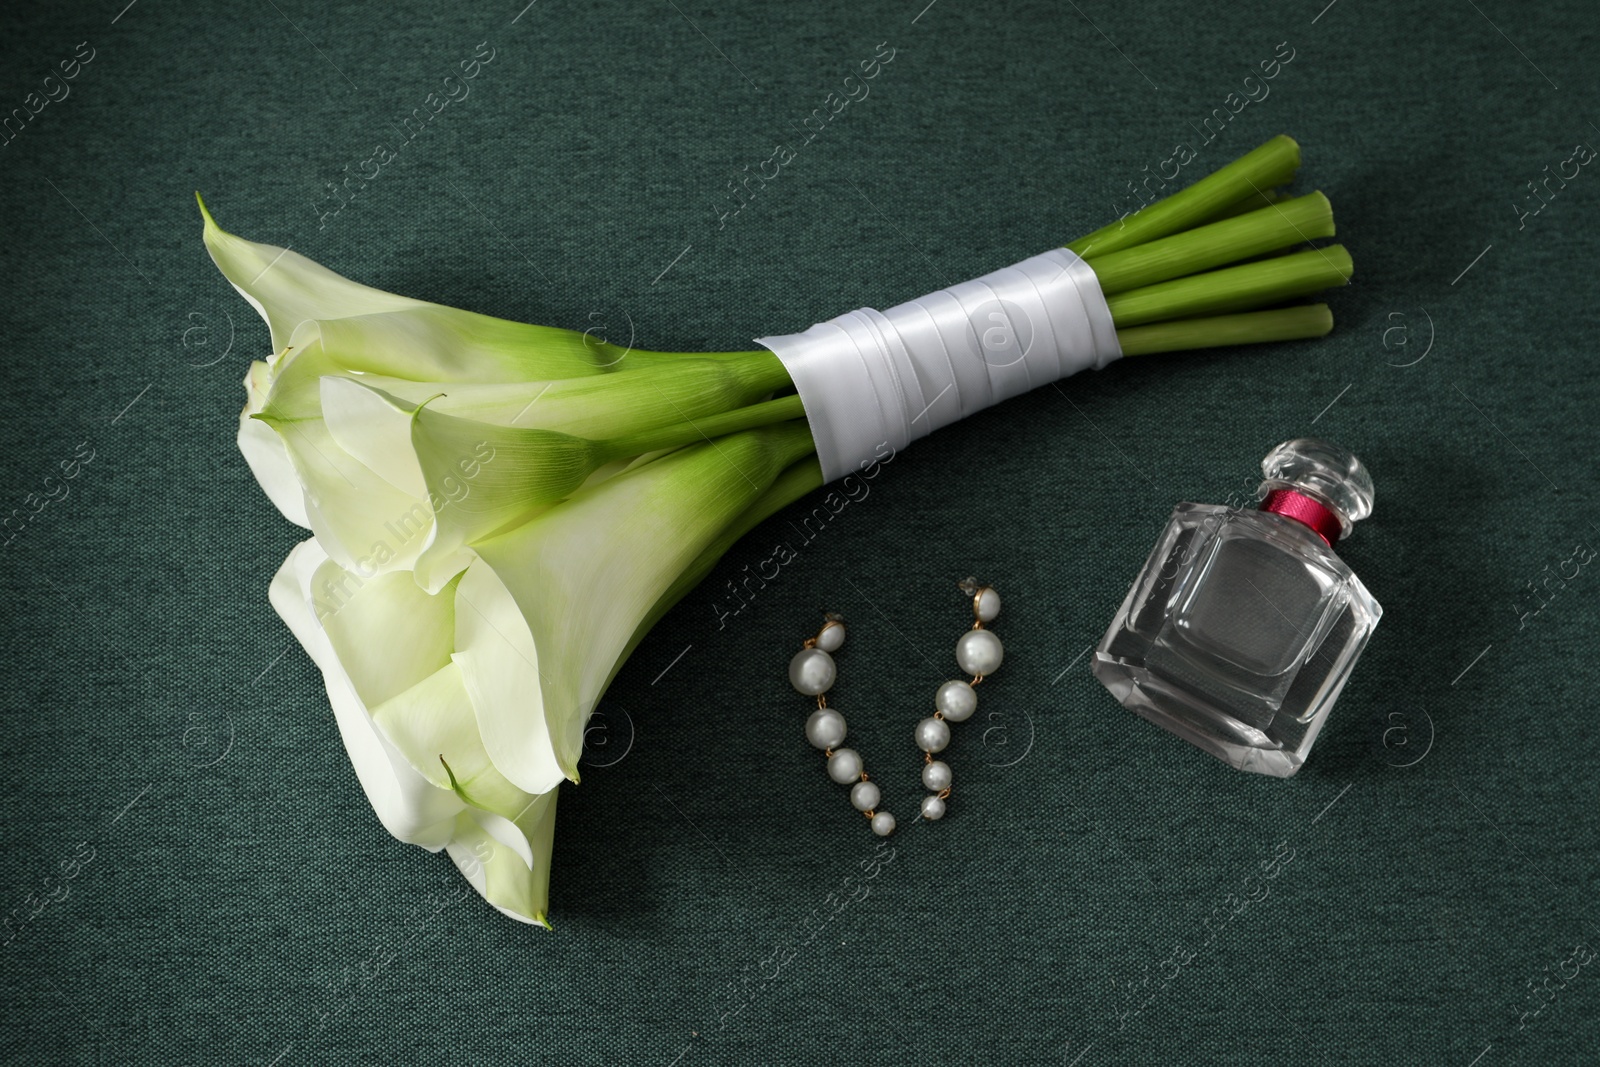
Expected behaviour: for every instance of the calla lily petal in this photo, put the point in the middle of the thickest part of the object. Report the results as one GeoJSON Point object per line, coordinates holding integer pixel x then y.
{"type": "Point", "coordinates": [498, 872]}
{"type": "Point", "coordinates": [431, 342]}
{"type": "Point", "coordinates": [634, 399]}
{"type": "Point", "coordinates": [409, 806]}
{"type": "Point", "coordinates": [388, 634]}
{"type": "Point", "coordinates": [286, 288]}
{"type": "Point", "coordinates": [500, 668]}
{"type": "Point", "coordinates": [370, 425]}
{"type": "Point", "coordinates": [493, 476]}
{"type": "Point", "coordinates": [361, 518]}
{"type": "Point", "coordinates": [264, 452]}
{"type": "Point", "coordinates": [581, 597]}
{"type": "Point", "coordinates": [466, 807]}
{"type": "Point", "coordinates": [433, 724]}
{"type": "Point", "coordinates": [379, 331]}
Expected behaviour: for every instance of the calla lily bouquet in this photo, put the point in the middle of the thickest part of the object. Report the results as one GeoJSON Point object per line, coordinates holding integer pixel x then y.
{"type": "Point", "coordinates": [499, 511]}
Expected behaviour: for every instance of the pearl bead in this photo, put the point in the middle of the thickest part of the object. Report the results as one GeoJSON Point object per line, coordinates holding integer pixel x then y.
{"type": "Point", "coordinates": [932, 808]}
{"type": "Point", "coordinates": [936, 775]}
{"type": "Point", "coordinates": [883, 824]}
{"type": "Point", "coordinates": [956, 701]}
{"type": "Point", "coordinates": [812, 671]}
{"type": "Point", "coordinates": [825, 728]}
{"type": "Point", "coordinates": [988, 605]}
{"type": "Point", "coordinates": [844, 766]}
{"type": "Point", "coordinates": [864, 796]}
{"type": "Point", "coordinates": [932, 735]}
{"type": "Point", "coordinates": [978, 652]}
{"type": "Point", "coordinates": [831, 637]}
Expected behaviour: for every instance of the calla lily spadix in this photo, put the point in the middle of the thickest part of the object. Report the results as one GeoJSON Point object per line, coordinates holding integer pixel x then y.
{"type": "Point", "coordinates": [500, 511]}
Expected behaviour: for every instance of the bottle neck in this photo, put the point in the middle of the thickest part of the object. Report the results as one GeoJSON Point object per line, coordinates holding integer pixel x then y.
{"type": "Point", "coordinates": [1308, 511]}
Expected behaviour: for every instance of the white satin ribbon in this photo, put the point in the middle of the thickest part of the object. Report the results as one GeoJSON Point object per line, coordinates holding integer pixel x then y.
{"type": "Point", "coordinates": [869, 376]}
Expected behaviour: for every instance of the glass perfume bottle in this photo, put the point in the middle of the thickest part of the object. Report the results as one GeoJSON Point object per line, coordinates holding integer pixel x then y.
{"type": "Point", "coordinates": [1243, 626]}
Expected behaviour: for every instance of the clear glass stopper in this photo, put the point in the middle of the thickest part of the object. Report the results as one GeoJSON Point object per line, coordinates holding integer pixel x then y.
{"type": "Point", "coordinates": [1324, 471]}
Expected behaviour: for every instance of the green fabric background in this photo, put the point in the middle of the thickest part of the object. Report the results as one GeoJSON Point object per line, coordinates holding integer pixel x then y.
{"type": "Point", "coordinates": [1437, 859]}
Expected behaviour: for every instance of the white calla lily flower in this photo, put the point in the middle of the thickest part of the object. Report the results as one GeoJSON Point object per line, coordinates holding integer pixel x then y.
{"type": "Point", "coordinates": [326, 455]}
{"type": "Point", "coordinates": [307, 590]}
{"type": "Point", "coordinates": [385, 648]}
{"type": "Point", "coordinates": [551, 606]}
{"type": "Point", "coordinates": [499, 511]}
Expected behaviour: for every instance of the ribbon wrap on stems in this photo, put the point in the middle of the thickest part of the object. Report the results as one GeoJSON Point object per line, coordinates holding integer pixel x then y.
{"type": "Point", "coordinates": [870, 376]}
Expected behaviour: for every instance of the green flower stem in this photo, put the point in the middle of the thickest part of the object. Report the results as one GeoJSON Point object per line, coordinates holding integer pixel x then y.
{"type": "Point", "coordinates": [1277, 226]}
{"type": "Point", "coordinates": [705, 428]}
{"type": "Point", "coordinates": [1155, 265]}
{"type": "Point", "coordinates": [622, 359]}
{"type": "Point", "coordinates": [1249, 285]}
{"type": "Point", "coordinates": [1216, 331]}
{"type": "Point", "coordinates": [1274, 163]}
{"type": "Point", "coordinates": [1253, 202]}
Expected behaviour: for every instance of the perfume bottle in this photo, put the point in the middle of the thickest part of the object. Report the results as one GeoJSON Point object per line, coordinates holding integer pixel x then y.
{"type": "Point", "coordinates": [1243, 626]}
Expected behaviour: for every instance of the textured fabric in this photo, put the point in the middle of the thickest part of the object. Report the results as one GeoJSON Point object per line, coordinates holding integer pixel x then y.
{"type": "Point", "coordinates": [1100, 892]}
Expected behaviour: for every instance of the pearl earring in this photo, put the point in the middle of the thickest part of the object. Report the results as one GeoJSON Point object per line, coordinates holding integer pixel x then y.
{"type": "Point", "coordinates": [978, 652]}
{"type": "Point", "coordinates": [812, 672]}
